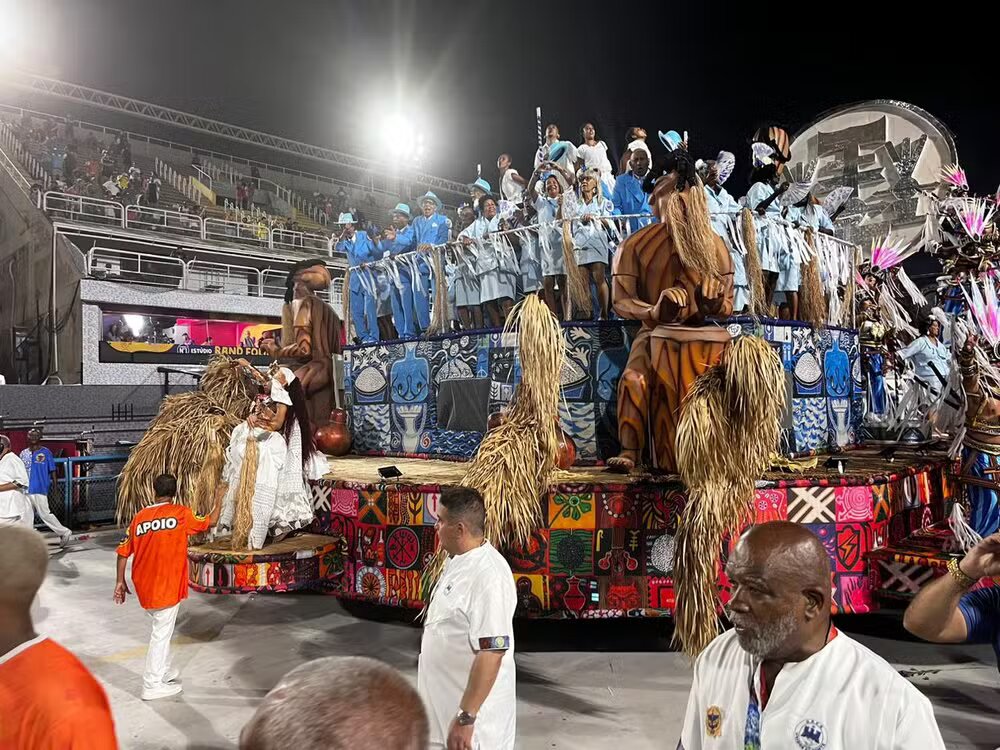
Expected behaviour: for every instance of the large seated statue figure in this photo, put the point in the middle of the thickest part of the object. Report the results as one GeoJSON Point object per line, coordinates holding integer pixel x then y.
{"type": "Point", "coordinates": [310, 336]}
{"type": "Point", "coordinates": [671, 276]}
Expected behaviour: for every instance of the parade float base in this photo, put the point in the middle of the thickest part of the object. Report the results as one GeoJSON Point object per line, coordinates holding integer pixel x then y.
{"type": "Point", "coordinates": [605, 542]}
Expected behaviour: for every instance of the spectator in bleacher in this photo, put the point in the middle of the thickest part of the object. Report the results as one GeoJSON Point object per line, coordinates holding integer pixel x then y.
{"type": "Point", "coordinates": [241, 195]}
{"type": "Point", "coordinates": [255, 174]}
{"type": "Point", "coordinates": [153, 190]}
{"type": "Point", "coordinates": [360, 251]}
{"type": "Point", "coordinates": [70, 163]}
{"type": "Point", "coordinates": [107, 165]}
{"type": "Point", "coordinates": [400, 239]}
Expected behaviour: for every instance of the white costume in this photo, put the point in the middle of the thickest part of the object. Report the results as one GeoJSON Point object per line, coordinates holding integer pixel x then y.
{"type": "Point", "coordinates": [590, 240]}
{"type": "Point", "coordinates": [282, 502]}
{"type": "Point", "coordinates": [471, 610]}
{"type": "Point", "coordinates": [843, 696]}
{"type": "Point", "coordinates": [496, 262]}
{"type": "Point", "coordinates": [596, 157]}
{"type": "Point", "coordinates": [550, 240]}
{"type": "Point", "coordinates": [15, 508]}
{"type": "Point", "coordinates": [509, 189]}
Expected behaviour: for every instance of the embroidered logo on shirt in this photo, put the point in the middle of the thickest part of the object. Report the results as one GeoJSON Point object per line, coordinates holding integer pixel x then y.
{"type": "Point", "coordinates": [713, 721]}
{"type": "Point", "coordinates": [494, 643]}
{"type": "Point", "coordinates": [810, 735]}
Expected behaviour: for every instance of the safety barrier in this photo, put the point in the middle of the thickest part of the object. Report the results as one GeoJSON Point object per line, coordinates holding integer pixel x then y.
{"type": "Point", "coordinates": [85, 490]}
{"type": "Point", "coordinates": [128, 266]}
{"type": "Point", "coordinates": [16, 150]}
{"type": "Point", "coordinates": [101, 211]}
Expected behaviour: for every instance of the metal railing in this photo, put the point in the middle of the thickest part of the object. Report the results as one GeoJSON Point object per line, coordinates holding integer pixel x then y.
{"type": "Point", "coordinates": [163, 220]}
{"type": "Point", "coordinates": [22, 182]}
{"type": "Point", "coordinates": [17, 150]}
{"type": "Point", "coordinates": [180, 183]}
{"type": "Point", "coordinates": [107, 212]}
{"type": "Point", "coordinates": [83, 208]}
{"type": "Point", "coordinates": [127, 266]}
{"type": "Point", "coordinates": [222, 278]}
{"type": "Point", "coordinates": [85, 490]}
{"type": "Point", "coordinates": [148, 269]}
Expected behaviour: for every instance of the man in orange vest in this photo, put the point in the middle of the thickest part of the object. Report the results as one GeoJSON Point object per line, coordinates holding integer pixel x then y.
{"type": "Point", "coordinates": [157, 538]}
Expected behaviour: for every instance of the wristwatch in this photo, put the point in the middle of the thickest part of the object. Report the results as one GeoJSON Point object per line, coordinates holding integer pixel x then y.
{"type": "Point", "coordinates": [464, 718]}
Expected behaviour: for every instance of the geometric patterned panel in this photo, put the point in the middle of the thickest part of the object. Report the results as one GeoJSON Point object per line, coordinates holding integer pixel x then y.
{"type": "Point", "coordinates": [607, 550]}
{"type": "Point", "coordinates": [812, 505]}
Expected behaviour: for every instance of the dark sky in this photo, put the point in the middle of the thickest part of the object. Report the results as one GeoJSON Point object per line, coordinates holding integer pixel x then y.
{"type": "Point", "coordinates": [324, 72]}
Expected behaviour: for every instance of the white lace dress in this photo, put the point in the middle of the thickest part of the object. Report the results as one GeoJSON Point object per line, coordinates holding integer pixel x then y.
{"type": "Point", "coordinates": [282, 502]}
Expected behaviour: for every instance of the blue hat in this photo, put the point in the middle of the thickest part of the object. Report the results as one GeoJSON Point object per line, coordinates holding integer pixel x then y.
{"type": "Point", "coordinates": [429, 196]}
{"type": "Point", "coordinates": [482, 185]}
{"type": "Point", "coordinates": [671, 139]}
{"type": "Point", "coordinates": [558, 150]}
{"type": "Point", "coordinates": [401, 208]}
{"type": "Point", "coordinates": [345, 218]}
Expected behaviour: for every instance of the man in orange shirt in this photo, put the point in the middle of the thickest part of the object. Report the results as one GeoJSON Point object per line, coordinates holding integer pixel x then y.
{"type": "Point", "coordinates": [157, 538]}
{"type": "Point", "coordinates": [48, 699]}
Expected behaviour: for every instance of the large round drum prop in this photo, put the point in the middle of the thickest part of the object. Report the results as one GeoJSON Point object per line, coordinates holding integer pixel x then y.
{"type": "Point", "coordinates": [887, 151]}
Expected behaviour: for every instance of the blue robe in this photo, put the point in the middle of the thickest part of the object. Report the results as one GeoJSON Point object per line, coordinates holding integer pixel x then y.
{"type": "Point", "coordinates": [432, 230]}
{"type": "Point", "coordinates": [364, 296]}
{"type": "Point", "coordinates": [404, 315]}
{"type": "Point", "coordinates": [630, 198]}
{"type": "Point", "coordinates": [771, 241]}
{"type": "Point", "coordinates": [722, 211]}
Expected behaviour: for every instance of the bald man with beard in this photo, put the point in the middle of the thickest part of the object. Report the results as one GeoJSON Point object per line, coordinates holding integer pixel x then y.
{"type": "Point", "coordinates": [339, 703]}
{"type": "Point", "coordinates": [48, 699]}
{"type": "Point", "coordinates": [784, 676]}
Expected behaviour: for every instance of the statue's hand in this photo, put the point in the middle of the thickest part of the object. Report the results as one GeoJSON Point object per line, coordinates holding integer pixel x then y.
{"type": "Point", "coordinates": [711, 288]}
{"type": "Point", "coordinates": [671, 302]}
{"type": "Point", "coordinates": [269, 345]}
{"type": "Point", "coordinates": [970, 343]}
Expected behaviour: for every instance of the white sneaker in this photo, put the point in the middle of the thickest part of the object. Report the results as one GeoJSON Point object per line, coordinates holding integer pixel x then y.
{"type": "Point", "coordinates": [171, 676]}
{"type": "Point", "coordinates": [160, 691]}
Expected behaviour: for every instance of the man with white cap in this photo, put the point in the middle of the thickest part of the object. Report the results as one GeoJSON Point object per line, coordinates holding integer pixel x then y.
{"type": "Point", "coordinates": [15, 508]}
{"type": "Point", "coordinates": [399, 242]}
{"type": "Point", "coordinates": [430, 228]}
{"type": "Point", "coordinates": [360, 251]}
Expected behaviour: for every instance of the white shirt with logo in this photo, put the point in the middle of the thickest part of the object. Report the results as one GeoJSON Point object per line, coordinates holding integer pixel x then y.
{"type": "Point", "coordinates": [471, 610]}
{"type": "Point", "coordinates": [843, 697]}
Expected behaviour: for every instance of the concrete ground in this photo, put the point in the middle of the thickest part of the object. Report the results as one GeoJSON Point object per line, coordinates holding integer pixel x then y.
{"type": "Point", "coordinates": [579, 683]}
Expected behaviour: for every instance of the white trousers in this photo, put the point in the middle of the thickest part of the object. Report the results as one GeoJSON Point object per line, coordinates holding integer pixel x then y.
{"type": "Point", "coordinates": [41, 503]}
{"type": "Point", "coordinates": [158, 655]}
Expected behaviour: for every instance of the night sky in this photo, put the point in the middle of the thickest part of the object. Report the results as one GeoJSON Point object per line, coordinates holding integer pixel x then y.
{"type": "Point", "coordinates": [324, 72]}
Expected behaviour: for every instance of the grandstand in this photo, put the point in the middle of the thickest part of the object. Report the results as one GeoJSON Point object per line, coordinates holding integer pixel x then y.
{"type": "Point", "coordinates": [84, 234]}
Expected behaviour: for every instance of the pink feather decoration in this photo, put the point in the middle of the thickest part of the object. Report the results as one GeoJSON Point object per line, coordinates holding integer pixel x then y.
{"type": "Point", "coordinates": [954, 175]}
{"type": "Point", "coordinates": [974, 215]}
{"type": "Point", "coordinates": [887, 253]}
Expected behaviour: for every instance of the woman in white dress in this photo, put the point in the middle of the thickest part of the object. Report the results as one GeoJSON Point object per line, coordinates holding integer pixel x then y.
{"type": "Point", "coordinates": [590, 236]}
{"type": "Point", "coordinates": [594, 154]}
{"type": "Point", "coordinates": [286, 460]}
{"type": "Point", "coordinates": [496, 262]}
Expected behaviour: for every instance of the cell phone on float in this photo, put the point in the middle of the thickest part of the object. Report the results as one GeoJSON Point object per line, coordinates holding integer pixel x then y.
{"type": "Point", "coordinates": [389, 472]}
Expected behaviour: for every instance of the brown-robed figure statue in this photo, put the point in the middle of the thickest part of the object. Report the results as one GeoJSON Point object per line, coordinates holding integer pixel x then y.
{"type": "Point", "coordinates": [310, 336]}
{"type": "Point", "coordinates": [670, 276]}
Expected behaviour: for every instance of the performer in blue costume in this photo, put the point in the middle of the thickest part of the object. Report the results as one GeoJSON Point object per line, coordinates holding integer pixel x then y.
{"type": "Point", "coordinates": [430, 228]}
{"type": "Point", "coordinates": [629, 198]}
{"type": "Point", "coordinates": [400, 240]}
{"type": "Point", "coordinates": [360, 249]}
{"type": "Point", "coordinates": [724, 212]}
{"type": "Point", "coordinates": [980, 473]}
{"type": "Point", "coordinates": [548, 206]}
{"type": "Point", "coordinates": [496, 263]}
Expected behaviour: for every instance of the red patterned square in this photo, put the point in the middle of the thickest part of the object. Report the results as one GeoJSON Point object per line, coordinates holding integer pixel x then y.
{"type": "Point", "coordinates": [771, 504]}
{"type": "Point", "coordinates": [531, 557]}
{"type": "Point", "coordinates": [854, 541]}
{"type": "Point", "coordinates": [854, 504]}
{"type": "Point", "coordinates": [661, 594]}
{"type": "Point", "coordinates": [618, 509]}
{"type": "Point", "coordinates": [344, 502]}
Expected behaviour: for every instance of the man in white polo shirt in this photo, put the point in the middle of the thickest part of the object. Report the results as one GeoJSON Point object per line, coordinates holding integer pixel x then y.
{"type": "Point", "coordinates": [784, 677]}
{"type": "Point", "coordinates": [466, 670]}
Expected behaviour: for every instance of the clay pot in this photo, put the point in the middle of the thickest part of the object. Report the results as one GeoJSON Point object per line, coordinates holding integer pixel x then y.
{"type": "Point", "coordinates": [496, 419]}
{"type": "Point", "coordinates": [567, 449]}
{"type": "Point", "coordinates": [334, 438]}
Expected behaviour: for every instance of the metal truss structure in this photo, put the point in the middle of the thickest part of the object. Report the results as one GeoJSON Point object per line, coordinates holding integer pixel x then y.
{"type": "Point", "coordinates": [154, 112]}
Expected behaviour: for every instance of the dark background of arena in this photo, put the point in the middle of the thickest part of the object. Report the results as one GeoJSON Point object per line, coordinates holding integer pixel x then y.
{"type": "Point", "coordinates": [322, 71]}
